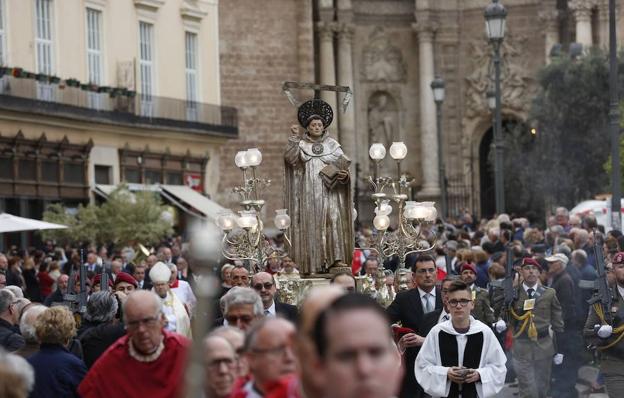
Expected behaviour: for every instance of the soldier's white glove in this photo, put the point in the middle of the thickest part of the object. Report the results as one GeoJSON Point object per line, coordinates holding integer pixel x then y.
{"type": "Point", "coordinates": [604, 331]}
{"type": "Point", "coordinates": [500, 326]}
{"type": "Point", "coordinates": [558, 359]}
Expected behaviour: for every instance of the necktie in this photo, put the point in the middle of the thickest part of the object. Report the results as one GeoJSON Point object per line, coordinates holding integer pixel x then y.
{"type": "Point", "coordinates": [428, 306]}
{"type": "Point", "coordinates": [530, 292]}
{"type": "Point", "coordinates": [266, 313]}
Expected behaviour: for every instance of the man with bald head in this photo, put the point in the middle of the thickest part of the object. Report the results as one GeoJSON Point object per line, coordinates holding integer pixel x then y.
{"type": "Point", "coordinates": [57, 296]}
{"type": "Point", "coordinates": [148, 361]}
{"type": "Point", "coordinates": [220, 360]}
{"type": "Point", "coordinates": [270, 355]}
{"type": "Point", "coordinates": [263, 283]}
{"type": "Point", "coordinates": [236, 338]}
{"type": "Point", "coordinates": [313, 304]}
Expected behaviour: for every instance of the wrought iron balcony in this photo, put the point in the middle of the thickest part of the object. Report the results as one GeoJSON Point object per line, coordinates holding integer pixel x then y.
{"type": "Point", "coordinates": [62, 100]}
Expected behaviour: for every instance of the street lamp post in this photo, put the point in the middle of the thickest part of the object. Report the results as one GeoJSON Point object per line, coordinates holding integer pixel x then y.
{"type": "Point", "coordinates": [614, 123]}
{"type": "Point", "coordinates": [495, 15]}
{"type": "Point", "coordinates": [437, 86]}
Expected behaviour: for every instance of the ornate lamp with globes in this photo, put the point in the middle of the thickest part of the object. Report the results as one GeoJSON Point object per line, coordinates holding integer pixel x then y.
{"type": "Point", "coordinates": [411, 231]}
{"type": "Point", "coordinates": [243, 236]}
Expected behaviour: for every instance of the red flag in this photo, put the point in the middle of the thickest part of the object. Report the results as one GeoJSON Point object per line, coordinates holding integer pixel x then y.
{"type": "Point", "coordinates": [358, 260]}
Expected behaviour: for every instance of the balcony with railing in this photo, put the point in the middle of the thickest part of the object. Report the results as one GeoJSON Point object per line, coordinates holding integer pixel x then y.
{"type": "Point", "coordinates": [115, 106]}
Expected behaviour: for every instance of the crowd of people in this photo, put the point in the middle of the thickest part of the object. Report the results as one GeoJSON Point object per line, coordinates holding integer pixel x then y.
{"type": "Point", "coordinates": [446, 325]}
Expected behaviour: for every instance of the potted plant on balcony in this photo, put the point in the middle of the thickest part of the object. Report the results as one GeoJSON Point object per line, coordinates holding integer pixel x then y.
{"type": "Point", "coordinates": [71, 82]}
{"type": "Point", "coordinates": [131, 93]}
{"type": "Point", "coordinates": [55, 79]}
{"type": "Point", "coordinates": [17, 72]}
{"type": "Point", "coordinates": [42, 78]}
{"type": "Point", "coordinates": [104, 89]}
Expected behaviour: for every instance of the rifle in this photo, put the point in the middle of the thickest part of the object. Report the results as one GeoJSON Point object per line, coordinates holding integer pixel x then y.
{"type": "Point", "coordinates": [509, 293]}
{"type": "Point", "coordinates": [601, 284]}
{"type": "Point", "coordinates": [447, 260]}
{"type": "Point", "coordinates": [77, 301]}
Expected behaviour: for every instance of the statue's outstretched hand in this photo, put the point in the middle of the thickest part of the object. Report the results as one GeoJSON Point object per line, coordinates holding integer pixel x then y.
{"type": "Point", "coordinates": [294, 130]}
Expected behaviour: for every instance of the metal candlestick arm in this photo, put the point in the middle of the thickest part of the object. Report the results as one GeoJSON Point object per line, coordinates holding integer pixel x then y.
{"type": "Point", "coordinates": [243, 237]}
{"type": "Point", "coordinates": [413, 219]}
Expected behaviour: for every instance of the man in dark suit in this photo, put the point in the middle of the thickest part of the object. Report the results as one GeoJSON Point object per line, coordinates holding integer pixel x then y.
{"type": "Point", "coordinates": [409, 308]}
{"type": "Point", "coordinates": [140, 275]}
{"type": "Point", "coordinates": [263, 283]}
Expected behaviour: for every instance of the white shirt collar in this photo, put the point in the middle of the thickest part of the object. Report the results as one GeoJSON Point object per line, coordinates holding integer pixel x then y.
{"type": "Point", "coordinates": [271, 309]}
{"type": "Point", "coordinates": [422, 293]}
{"type": "Point", "coordinates": [442, 315]}
{"type": "Point", "coordinates": [525, 287]}
{"type": "Point", "coordinates": [620, 290]}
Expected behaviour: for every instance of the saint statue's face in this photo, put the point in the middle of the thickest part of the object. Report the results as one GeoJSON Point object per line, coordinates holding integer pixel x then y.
{"type": "Point", "coordinates": [315, 128]}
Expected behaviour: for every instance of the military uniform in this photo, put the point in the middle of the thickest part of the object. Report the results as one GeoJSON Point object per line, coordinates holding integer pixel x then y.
{"type": "Point", "coordinates": [533, 347]}
{"type": "Point", "coordinates": [482, 310]}
{"type": "Point", "coordinates": [612, 358]}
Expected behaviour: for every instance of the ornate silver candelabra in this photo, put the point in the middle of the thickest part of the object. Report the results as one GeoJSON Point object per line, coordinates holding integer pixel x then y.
{"type": "Point", "coordinates": [413, 232]}
{"type": "Point", "coordinates": [243, 234]}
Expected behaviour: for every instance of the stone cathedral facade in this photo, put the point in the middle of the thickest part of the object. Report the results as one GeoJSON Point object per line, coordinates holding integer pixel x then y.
{"type": "Point", "coordinates": [388, 52]}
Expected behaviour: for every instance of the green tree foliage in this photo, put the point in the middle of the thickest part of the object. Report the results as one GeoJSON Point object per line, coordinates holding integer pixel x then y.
{"type": "Point", "coordinates": [564, 163]}
{"type": "Point", "coordinates": [125, 218]}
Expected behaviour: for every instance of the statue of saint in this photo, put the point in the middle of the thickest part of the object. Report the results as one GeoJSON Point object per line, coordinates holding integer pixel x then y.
{"type": "Point", "coordinates": [318, 192]}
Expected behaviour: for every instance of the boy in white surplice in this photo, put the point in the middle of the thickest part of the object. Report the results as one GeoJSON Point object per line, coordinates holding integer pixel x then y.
{"type": "Point", "coordinates": [461, 357]}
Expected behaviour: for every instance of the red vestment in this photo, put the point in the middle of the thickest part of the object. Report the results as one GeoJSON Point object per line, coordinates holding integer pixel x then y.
{"type": "Point", "coordinates": [117, 374]}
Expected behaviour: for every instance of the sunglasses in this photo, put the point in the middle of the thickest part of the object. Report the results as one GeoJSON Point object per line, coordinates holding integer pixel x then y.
{"type": "Point", "coordinates": [266, 286]}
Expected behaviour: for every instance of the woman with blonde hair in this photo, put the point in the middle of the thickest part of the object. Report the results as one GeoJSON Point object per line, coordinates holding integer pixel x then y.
{"type": "Point", "coordinates": [57, 371]}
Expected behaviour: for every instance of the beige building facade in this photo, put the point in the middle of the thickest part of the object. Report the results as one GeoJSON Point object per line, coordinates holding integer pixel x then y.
{"type": "Point", "coordinates": [98, 92]}
{"type": "Point", "coordinates": [388, 52]}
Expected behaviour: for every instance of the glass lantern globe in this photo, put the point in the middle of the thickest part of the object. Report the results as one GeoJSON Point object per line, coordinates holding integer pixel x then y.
{"type": "Point", "coordinates": [226, 221]}
{"type": "Point", "coordinates": [431, 210]}
{"type": "Point", "coordinates": [240, 159]}
{"type": "Point", "coordinates": [409, 211]}
{"type": "Point", "coordinates": [381, 222]}
{"type": "Point", "coordinates": [398, 150]}
{"type": "Point", "coordinates": [247, 219]}
{"type": "Point", "coordinates": [282, 219]}
{"type": "Point", "coordinates": [253, 157]}
{"type": "Point", "coordinates": [384, 208]}
{"type": "Point", "coordinates": [377, 151]}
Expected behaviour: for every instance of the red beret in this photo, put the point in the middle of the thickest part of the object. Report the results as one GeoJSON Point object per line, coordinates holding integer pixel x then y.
{"type": "Point", "coordinates": [469, 266]}
{"type": "Point", "coordinates": [124, 277]}
{"type": "Point", "coordinates": [98, 278]}
{"type": "Point", "coordinates": [618, 258]}
{"type": "Point", "coordinates": [531, 261]}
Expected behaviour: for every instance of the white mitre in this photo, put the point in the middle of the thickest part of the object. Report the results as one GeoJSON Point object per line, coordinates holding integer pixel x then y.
{"type": "Point", "coordinates": [160, 273]}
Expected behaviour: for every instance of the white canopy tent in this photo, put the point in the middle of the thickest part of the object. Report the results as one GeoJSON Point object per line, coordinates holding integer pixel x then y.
{"type": "Point", "coordinates": [11, 223]}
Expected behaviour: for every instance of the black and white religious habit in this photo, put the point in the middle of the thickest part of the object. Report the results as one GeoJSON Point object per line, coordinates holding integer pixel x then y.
{"type": "Point", "coordinates": [476, 349]}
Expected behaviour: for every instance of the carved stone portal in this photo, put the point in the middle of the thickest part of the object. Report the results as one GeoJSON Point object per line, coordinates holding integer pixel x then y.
{"type": "Point", "coordinates": [381, 61]}
{"type": "Point", "coordinates": [517, 84]}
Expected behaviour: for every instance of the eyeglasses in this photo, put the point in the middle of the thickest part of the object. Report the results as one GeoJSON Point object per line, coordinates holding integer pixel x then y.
{"type": "Point", "coordinates": [426, 270]}
{"type": "Point", "coordinates": [233, 320]}
{"type": "Point", "coordinates": [148, 322]}
{"type": "Point", "coordinates": [462, 302]}
{"type": "Point", "coordinates": [216, 363]}
{"type": "Point", "coordinates": [266, 286]}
